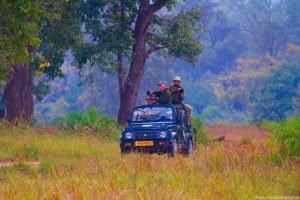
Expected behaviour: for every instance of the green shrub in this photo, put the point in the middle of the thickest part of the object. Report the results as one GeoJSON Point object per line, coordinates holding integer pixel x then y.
{"type": "Point", "coordinates": [31, 151]}
{"type": "Point", "coordinates": [93, 123]}
{"type": "Point", "coordinates": [247, 139]}
{"type": "Point", "coordinates": [201, 136]}
{"type": "Point", "coordinates": [286, 136]}
{"type": "Point", "coordinates": [45, 166]}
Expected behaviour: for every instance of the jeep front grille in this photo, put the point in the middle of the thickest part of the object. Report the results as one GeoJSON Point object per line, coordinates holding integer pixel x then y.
{"type": "Point", "coordinates": [146, 135]}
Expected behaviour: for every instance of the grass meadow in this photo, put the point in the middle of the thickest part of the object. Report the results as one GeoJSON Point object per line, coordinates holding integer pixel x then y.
{"type": "Point", "coordinates": [75, 164]}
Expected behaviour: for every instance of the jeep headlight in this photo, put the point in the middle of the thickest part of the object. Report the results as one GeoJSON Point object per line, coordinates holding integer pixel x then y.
{"type": "Point", "coordinates": [128, 135]}
{"type": "Point", "coordinates": [162, 134]}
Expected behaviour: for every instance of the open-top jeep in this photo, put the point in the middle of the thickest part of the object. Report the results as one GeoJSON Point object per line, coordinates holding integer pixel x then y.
{"type": "Point", "coordinates": [158, 128]}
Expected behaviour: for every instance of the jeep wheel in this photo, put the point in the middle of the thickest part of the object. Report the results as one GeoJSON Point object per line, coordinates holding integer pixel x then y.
{"type": "Point", "coordinates": [123, 153]}
{"type": "Point", "coordinates": [173, 150]}
{"type": "Point", "coordinates": [189, 150]}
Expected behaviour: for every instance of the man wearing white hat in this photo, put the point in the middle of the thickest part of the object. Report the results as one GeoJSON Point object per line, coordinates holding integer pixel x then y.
{"type": "Point", "coordinates": [177, 95]}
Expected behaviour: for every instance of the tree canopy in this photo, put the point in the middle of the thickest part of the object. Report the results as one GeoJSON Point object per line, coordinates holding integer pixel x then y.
{"type": "Point", "coordinates": [34, 36]}
{"type": "Point", "coordinates": [132, 30]}
{"type": "Point", "coordinates": [243, 53]}
{"type": "Point", "coordinates": [36, 33]}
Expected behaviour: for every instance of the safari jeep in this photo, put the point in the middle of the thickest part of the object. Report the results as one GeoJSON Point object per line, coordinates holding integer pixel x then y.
{"type": "Point", "coordinates": [158, 129]}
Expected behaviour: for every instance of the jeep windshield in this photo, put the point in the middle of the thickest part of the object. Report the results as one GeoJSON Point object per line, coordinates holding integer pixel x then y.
{"type": "Point", "coordinates": [152, 114]}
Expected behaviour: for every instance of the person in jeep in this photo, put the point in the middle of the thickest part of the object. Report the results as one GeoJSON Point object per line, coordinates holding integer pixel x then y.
{"type": "Point", "coordinates": [163, 96]}
{"type": "Point", "coordinates": [177, 96]}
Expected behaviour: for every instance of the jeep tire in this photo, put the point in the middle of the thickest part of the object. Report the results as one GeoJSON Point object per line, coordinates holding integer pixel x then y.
{"type": "Point", "coordinates": [173, 150]}
{"type": "Point", "coordinates": [189, 150]}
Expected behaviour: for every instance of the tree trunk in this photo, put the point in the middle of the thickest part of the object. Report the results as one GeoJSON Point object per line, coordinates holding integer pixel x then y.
{"type": "Point", "coordinates": [129, 88]}
{"type": "Point", "coordinates": [2, 105]}
{"type": "Point", "coordinates": [130, 91]}
{"type": "Point", "coordinates": [19, 100]}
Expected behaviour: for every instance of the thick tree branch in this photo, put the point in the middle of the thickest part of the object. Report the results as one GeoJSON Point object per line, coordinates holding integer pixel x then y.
{"type": "Point", "coordinates": [121, 74]}
{"type": "Point", "coordinates": [120, 55]}
{"type": "Point", "coordinates": [123, 17]}
{"type": "Point", "coordinates": [158, 39]}
{"type": "Point", "coordinates": [152, 49]}
{"type": "Point", "coordinates": [165, 20]}
{"type": "Point", "coordinates": [157, 5]}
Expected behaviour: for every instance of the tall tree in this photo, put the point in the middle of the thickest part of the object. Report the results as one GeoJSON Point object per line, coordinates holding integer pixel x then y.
{"type": "Point", "coordinates": [263, 88]}
{"type": "Point", "coordinates": [25, 25]}
{"type": "Point", "coordinates": [293, 20]}
{"type": "Point", "coordinates": [122, 30]}
{"type": "Point", "coordinates": [19, 22]}
{"type": "Point", "coordinates": [263, 24]}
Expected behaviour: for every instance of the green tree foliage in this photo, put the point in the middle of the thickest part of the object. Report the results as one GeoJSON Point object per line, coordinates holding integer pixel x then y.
{"type": "Point", "coordinates": [108, 35]}
{"type": "Point", "coordinates": [34, 36]}
{"type": "Point", "coordinates": [58, 36]}
{"type": "Point", "coordinates": [37, 33]}
{"type": "Point", "coordinates": [273, 99]}
{"type": "Point", "coordinates": [263, 24]}
{"type": "Point", "coordinates": [293, 21]}
{"type": "Point", "coordinates": [19, 23]}
{"type": "Point", "coordinates": [100, 92]}
{"type": "Point", "coordinates": [133, 30]}
{"type": "Point", "coordinates": [224, 39]}
{"type": "Point", "coordinates": [22, 22]}
{"type": "Point", "coordinates": [263, 88]}
{"type": "Point", "coordinates": [234, 78]}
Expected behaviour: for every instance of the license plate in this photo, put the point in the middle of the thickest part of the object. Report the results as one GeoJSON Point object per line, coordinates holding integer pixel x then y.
{"type": "Point", "coordinates": [144, 143]}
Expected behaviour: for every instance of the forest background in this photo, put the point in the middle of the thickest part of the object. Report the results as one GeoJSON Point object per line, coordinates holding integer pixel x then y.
{"type": "Point", "coordinates": [248, 71]}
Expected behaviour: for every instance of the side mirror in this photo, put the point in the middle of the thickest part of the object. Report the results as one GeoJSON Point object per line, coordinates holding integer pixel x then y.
{"type": "Point", "coordinates": [128, 121]}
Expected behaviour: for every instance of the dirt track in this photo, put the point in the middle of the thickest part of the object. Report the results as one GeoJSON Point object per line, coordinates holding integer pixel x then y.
{"type": "Point", "coordinates": [235, 134]}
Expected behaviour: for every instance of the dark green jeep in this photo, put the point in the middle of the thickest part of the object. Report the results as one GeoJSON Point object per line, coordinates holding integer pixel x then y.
{"type": "Point", "coordinates": [158, 129]}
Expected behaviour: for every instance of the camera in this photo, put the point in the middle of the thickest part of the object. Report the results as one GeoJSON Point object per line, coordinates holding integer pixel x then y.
{"type": "Point", "coordinates": [154, 93]}
{"type": "Point", "coordinates": [180, 90]}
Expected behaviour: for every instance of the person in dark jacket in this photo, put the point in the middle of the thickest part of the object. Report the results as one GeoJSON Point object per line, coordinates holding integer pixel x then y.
{"type": "Point", "coordinates": [177, 96]}
{"type": "Point", "coordinates": [163, 96]}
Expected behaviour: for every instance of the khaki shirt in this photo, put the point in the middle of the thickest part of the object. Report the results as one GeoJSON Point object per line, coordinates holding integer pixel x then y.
{"type": "Point", "coordinates": [164, 97]}
{"type": "Point", "coordinates": [176, 96]}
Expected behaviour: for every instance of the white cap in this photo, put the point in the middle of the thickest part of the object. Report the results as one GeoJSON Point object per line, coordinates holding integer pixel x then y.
{"type": "Point", "coordinates": [176, 78]}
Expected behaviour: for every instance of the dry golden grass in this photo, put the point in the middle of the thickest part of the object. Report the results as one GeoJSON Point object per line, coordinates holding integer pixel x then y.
{"type": "Point", "coordinates": [79, 166]}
